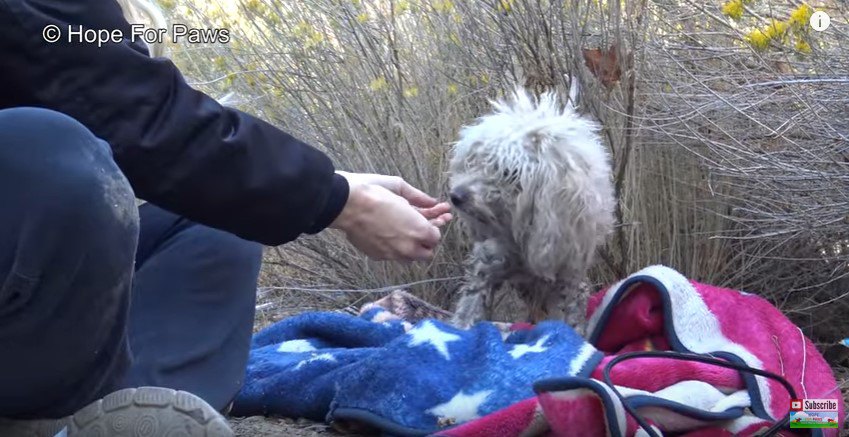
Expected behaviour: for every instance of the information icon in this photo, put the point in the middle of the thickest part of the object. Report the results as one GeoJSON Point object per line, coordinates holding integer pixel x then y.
{"type": "Point", "coordinates": [820, 21]}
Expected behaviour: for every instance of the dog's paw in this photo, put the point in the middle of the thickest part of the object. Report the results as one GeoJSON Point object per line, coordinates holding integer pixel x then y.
{"type": "Point", "coordinates": [461, 322]}
{"type": "Point", "coordinates": [580, 329]}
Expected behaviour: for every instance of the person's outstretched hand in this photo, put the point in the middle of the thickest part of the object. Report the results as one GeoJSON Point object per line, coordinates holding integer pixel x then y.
{"type": "Point", "coordinates": [388, 219]}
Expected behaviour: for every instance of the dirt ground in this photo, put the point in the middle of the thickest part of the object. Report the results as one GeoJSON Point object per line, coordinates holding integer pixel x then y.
{"type": "Point", "coordinates": [269, 426]}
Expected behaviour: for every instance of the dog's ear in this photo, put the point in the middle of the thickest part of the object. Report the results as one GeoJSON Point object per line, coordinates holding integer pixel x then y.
{"type": "Point", "coordinates": [572, 103]}
{"type": "Point", "coordinates": [550, 224]}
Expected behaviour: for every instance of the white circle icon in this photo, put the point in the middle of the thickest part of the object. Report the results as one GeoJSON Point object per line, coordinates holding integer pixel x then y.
{"type": "Point", "coordinates": [820, 21]}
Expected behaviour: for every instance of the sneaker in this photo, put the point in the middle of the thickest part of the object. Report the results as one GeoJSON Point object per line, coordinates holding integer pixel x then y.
{"type": "Point", "coordinates": [144, 411]}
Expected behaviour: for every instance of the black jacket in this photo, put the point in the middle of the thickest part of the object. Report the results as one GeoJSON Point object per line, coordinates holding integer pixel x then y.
{"type": "Point", "coordinates": [178, 147]}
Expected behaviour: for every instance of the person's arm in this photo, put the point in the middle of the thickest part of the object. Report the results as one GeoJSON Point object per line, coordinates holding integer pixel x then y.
{"type": "Point", "coordinates": [178, 147]}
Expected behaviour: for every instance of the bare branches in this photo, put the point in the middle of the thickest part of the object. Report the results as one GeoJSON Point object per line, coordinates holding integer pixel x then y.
{"type": "Point", "coordinates": [732, 164]}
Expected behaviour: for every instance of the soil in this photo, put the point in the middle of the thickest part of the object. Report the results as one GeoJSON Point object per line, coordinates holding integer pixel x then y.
{"type": "Point", "coordinates": [269, 426]}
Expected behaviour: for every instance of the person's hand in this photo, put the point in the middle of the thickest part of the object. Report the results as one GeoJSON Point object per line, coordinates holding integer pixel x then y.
{"type": "Point", "coordinates": [388, 219]}
{"type": "Point", "coordinates": [437, 213]}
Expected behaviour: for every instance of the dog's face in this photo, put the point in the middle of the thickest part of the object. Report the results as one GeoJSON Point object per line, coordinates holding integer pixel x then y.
{"type": "Point", "coordinates": [532, 172]}
{"type": "Point", "coordinates": [484, 189]}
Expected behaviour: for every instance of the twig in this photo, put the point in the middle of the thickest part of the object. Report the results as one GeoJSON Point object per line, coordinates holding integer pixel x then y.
{"type": "Point", "coordinates": [367, 290]}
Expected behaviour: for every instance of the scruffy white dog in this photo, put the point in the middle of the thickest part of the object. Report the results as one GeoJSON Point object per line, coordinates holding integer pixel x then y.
{"type": "Point", "coordinates": [532, 184]}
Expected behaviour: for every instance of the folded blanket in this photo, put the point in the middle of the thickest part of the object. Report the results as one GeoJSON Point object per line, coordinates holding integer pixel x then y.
{"type": "Point", "coordinates": [657, 308]}
{"type": "Point", "coordinates": [429, 378]}
{"type": "Point", "coordinates": [403, 379]}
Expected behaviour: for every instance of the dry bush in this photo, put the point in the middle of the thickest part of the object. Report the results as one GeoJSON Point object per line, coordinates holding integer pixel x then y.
{"type": "Point", "coordinates": [768, 131]}
{"type": "Point", "coordinates": [729, 161]}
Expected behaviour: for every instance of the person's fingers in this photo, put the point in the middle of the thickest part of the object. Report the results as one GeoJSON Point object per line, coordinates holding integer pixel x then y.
{"type": "Point", "coordinates": [415, 196]}
{"type": "Point", "coordinates": [391, 183]}
{"type": "Point", "coordinates": [436, 210]}
{"type": "Point", "coordinates": [411, 233]}
{"type": "Point", "coordinates": [407, 251]}
{"type": "Point", "coordinates": [399, 186]}
{"type": "Point", "coordinates": [442, 220]}
{"type": "Point", "coordinates": [430, 237]}
{"type": "Point", "coordinates": [423, 254]}
{"type": "Point", "coordinates": [417, 252]}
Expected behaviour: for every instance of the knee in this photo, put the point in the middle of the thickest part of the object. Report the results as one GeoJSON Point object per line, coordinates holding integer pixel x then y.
{"type": "Point", "coordinates": [237, 250]}
{"type": "Point", "coordinates": [45, 130]}
{"type": "Point", "coordinates": [228, 251]}
{"type": "Point", "coordinates": [60, 168]}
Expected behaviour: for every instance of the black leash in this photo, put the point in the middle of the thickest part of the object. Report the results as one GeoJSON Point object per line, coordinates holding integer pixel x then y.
{"type": "Point", "coordinates": [691, 357]}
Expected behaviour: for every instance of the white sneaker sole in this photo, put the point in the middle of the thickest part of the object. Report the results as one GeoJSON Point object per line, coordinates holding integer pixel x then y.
{"type": "Point", "coordinates": [132, 412]}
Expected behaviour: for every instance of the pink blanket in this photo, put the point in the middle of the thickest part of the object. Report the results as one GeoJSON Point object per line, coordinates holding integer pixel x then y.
{"type": "Point", "coordinates": [659, 309]}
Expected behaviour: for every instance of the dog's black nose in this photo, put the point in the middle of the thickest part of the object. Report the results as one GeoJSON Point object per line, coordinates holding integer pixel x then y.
{"type": "Point", "coordinates": [459, 196]}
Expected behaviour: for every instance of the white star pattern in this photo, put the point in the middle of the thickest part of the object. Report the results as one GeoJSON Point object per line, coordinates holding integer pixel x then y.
{"type": "Point", "coordinates": [314, 358]}
{"type": "Point", "coordinates": [428, 333]}
{"type": "Point", "coordinates": [522, 349]}
{"type": "Point", "coordinates": [296, 346]}
{"type": "Point", "coordinates": [462, 407]}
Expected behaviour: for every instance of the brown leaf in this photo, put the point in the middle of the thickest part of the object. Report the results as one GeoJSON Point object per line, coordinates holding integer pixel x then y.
{"type": "Point", "coordinates": [604, 65]}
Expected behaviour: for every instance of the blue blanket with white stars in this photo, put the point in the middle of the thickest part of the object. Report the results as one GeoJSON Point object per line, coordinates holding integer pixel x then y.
{"type": "Point", "coordinates": [399, 378]}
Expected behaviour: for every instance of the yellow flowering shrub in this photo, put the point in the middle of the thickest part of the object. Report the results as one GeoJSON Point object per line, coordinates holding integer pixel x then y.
{"type": "Point", "coordinates": [505, 6]}
{"type": "Point", "coordinates": [378, 84]}
{"type": "Point", "coordinates": [802, 46]}
{"type": "Point", "coordinates": [443, 6]}
{"type": "Point", "coordinates": [733, 9]}
{"type": "Point", "coordinates": [778, 32]}
{"type": "Point", "coordinates": [758, 39]}
{"type": "Point", "coordinates": [253, 5]}
{"type": "Point", "coordinates": [308, 34]}
{"type": "Point", "coordinates": [411, 92]}
{"type": "Point", "coordinates": [800, 17]}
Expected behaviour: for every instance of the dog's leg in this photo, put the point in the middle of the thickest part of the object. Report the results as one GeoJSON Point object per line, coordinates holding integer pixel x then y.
{"type": "Point", "coordinates": [563, 300]}
{"type": "Point", "coordinates": [470, 307]}
{"type": "Point", "coordinates": [568, 301]}
{"type": "Point", "coordinates": [543, 298]}
{"type": "Point", "coordinates": [485, 275]}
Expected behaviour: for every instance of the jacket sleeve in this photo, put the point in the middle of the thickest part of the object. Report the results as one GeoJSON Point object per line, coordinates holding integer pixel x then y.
{"type": "Point", "coordinates": [179, 148]}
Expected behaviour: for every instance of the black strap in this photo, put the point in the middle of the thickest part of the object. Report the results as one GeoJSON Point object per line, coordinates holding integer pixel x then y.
{"type": "Point", "coordinates": [691, 357]}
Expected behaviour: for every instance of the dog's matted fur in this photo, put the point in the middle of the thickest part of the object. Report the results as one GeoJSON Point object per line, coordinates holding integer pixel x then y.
{"type": "Point", "coordinates": [532, 184]}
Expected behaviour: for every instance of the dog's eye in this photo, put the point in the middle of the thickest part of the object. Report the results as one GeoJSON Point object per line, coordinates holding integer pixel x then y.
{"type": "Point", "coordinates": [510, 175]}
